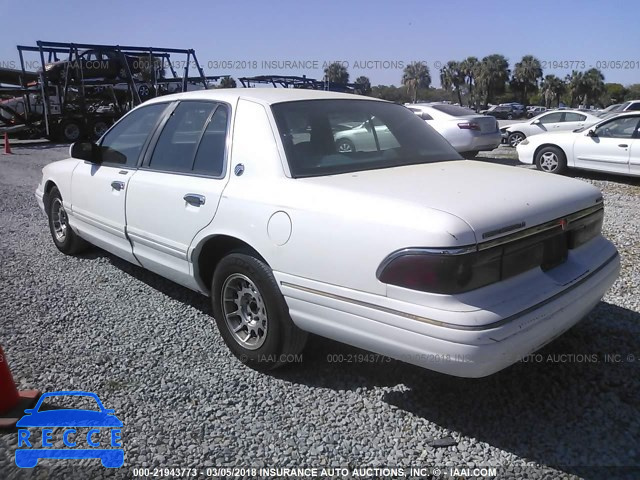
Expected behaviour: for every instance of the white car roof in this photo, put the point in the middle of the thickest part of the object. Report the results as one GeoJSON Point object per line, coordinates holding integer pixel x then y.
{"type": "Point", "coordinates": [267, 96]}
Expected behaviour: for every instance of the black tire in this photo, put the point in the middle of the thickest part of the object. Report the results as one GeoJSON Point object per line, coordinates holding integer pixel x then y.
{"type": "Point", "coordinates": [71, 131]}
{"type": "Point", "coordinates": [515, 138]}
{"type": "Point", "coordinates": [551, 159]}
{"type": "Point", "coordinates": [98, 129]}
{"type": "Point", "coordinates": [344, 145]}
{"type": "Point", "coordinates": [271, 338]}
{"type": "Point", "coordinates": [64, 238]}
{"type": "Point", "coordinates": [470, 155]}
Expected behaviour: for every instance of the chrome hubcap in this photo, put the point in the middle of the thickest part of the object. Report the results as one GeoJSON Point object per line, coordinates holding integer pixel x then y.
{"type": "Point", "coordinates": [549, 161]}
{"type": "Point", "coordinates": [244, 311]}
{"type": "Point", "coordinates": [345, 147]}
{"type": "Point", "coordinates": [515, 140]}
{"type": "Point", "coordinates": [59, 219]}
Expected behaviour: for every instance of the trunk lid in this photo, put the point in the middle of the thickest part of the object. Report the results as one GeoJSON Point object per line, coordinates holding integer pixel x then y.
{"type": "Point", "coordinates": [489, 198]}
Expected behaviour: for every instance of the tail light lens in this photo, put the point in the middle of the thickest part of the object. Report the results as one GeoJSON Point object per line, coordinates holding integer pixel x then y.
{"type": "Point", "coordinates": [450, 272]}
{"type": "Point", "coordinates": [469, 126]}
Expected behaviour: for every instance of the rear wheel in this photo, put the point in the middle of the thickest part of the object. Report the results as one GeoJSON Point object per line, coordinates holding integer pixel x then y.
{"type": "Point", "coordinates": [515, 138]}
{"type": "Point", "coordinates": [470, 155]}
{"type": "Point", "coordinates": [344, 145]}
{"type": "Point", "coordinates": [99, 128]}
{"type": "Point", "coordinates": [551, 160]}
{"type": "Point", "coordinates": [71, 131]}
{"type": "Point", "coordinates": [64, 238]}
{"type": "Point", "coordinates": [252, 315]}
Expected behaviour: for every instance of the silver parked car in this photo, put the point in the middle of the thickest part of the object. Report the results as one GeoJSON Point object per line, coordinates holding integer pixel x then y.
{"type": "Point", "coordinates": [468, 132]}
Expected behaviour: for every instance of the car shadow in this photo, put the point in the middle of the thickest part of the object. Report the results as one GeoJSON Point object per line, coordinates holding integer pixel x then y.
{"type": "Point", "coordinates": [570, 402]}
{"type": "Point", "coordinates": [155, 281]}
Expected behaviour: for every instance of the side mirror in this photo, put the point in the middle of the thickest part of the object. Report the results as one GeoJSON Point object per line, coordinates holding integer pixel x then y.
{"type": "Point", "coordinates": [29, 411]}
{"type": "Point", "coordinates": [535, 122]}
{"type": "Point", "coordinates": [592, 133]}
{"type": "Point", "coordinates": [88, 151]}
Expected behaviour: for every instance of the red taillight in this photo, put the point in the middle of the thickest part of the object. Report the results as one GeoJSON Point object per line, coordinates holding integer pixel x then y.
{"type": "Point", "coordinates": [469, 126]}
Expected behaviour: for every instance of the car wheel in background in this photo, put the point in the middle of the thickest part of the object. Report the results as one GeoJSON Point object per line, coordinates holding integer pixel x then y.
{"type": "Point", "coordinates": [470, 155]}
{"type": "Point", "coordinates": [551, 160]}
{"type": "Point", "coordinates": [99, 128]}
{"type": "Point", "coordinates": [71, 131]}
{"type": "Point", "coordinates": [64, 238]}
{"type": "Point", "coordinates": [515, 138]}
{"type": "Point", "coordinates": [510, 117]}
{"type": "Point", "coordinates": [344, 145]}
{"type": "Point", "coordinates": [252, 315]}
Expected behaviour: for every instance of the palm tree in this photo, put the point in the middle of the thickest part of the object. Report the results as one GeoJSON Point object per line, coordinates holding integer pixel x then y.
{"type": "Point", "coordinates": [227, 82]}
{"type": "Point", "coordinates": [575, 86]}
{"type": "Point", "coordinates": [470, 68]}
{"type": "Point", "coordinates": [526, 75]}
{"type": "Point", "coordinates": [592, 86]}
{"type": "Point", "coordinates": [552, 88]}
{"type": "Point", "coordinates": [416, 75]}
{"type": "Point", "coordinates": [452, 78]}
{"type": "Point", "coordinates": [492, 76]}
{"type": "Point", "coordinates": [365, 85]}
{"type": "Point", "coordinates": [336, 73]}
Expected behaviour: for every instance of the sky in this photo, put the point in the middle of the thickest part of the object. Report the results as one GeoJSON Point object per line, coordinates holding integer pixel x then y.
{"type": "Point", "coordinates": [245, 38]}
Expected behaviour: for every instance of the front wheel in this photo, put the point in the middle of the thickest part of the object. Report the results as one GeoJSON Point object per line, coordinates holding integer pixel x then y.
{"type": "Point", "coordinates": [64, 238]}
{"type": "Point", "coordinates": [344, 145]}
{"type": "Point", "coordinates": [551, 160]}
{"type": "Point", "coordinates": [515, 138]}
{"type": "Point", "coordinates": [252, 315]}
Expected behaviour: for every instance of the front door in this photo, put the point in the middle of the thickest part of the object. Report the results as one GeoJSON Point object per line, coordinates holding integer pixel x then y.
{"type": "Point", "coordinates": [608, 147]}
{"type": "Point", "coordinates": [98, 191]}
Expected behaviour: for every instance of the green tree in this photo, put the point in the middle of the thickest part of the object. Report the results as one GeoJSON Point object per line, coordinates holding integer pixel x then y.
{"type": "Point", "coordinates": [336, 73]}
{"type": "Point", "coordinates": [415, 76]}
{"type": "Point", "coordinates": [633, 92]}
{"type": "Point", "coordinates": [552, 89]}
{"type": "Point", "coordinates": [592, 86]}
{"type": "Point", "coordinates": [492, 76]}
{"type": "Point", "coordinates": [526, 76]}
{"type": "Point", "coordinates": [227, 82]}
{"type": "Point", "coordinates": [574, 86]}
{"type": "Point", "coordinates": [365, 84]}
{"type": "Point", "coordinates": [391, 93]}
{"type": "Point", "coordinates": [470, 68]}
{"type": "Point", "coordinates": [614, 93]}
{"type": "Point", "coordinates": [452, 78]}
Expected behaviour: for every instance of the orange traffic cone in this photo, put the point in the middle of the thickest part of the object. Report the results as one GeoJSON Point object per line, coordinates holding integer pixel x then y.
{"type": "Point", "coordinates": [7, 147]}
{"type": "Point", "coordinates": [12, 401]}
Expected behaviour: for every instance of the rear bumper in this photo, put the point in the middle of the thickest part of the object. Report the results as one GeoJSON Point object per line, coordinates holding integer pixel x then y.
{"type": "Point", "coordinates": [480, 142]}
{"type": "Point", "coordinates": [464, 351]}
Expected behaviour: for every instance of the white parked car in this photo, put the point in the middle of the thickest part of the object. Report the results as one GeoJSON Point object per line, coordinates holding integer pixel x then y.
{"type": "Point", "coordinates": [467, 131]}
{"type": "Point", "coordinates": [613, 145]}
{"type": "Point", "coordinates": [407, 251]}
{"type": "Point", "coordinates": [554, 121]}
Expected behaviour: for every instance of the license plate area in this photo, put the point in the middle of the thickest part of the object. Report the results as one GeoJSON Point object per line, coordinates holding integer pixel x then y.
{"type": "Point", "coordinates": [555, 251]}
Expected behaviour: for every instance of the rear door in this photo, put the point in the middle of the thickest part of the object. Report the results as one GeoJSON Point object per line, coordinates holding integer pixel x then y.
{"type": "Point", "coordinates": [98, 191]}
{"type": "Point", "coordinates": [176, 192]}
{"type": "Point", "coordinates": [571, 121]}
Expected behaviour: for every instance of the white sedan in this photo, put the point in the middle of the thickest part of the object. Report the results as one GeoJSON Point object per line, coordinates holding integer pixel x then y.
{"type": "Point", "coordinates": [555, 121]}
{"type": "Point", "coordinates": [467, 131]}
{"type": "Point", "coordinates": [613, 145]}
{"type": "Point", "coordinates": [404, 249]}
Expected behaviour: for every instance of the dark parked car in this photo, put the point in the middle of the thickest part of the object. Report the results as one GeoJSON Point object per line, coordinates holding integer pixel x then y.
{"type": "Point", "coordinates": [95, 64]}
{"type": "Point", "coordinates": [505, 112]}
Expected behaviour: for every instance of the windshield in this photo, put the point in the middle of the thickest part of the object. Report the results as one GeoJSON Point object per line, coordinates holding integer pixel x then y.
{"type": "Point", "coordinates": [328, 137]}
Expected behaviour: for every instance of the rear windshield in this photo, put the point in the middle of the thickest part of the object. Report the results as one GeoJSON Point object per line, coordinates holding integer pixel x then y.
{"type": "Point", "coordinates": [453, 110]}
{"type": "Point", "coordinates": [328, 137]}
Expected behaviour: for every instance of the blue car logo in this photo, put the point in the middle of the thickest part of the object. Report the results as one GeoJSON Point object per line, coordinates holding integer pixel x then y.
{"type": "Point", "coordinates": [99, 422]}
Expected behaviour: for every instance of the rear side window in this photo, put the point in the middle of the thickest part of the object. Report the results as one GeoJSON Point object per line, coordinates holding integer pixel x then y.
{"type": "Point", "coordinates": [123, 143]}
{"type": "Point", "coordinates": [574, 117]}
{"type": "Point", "coordinates": [193, 140]}
{"type": "Point", "coordinates": [328, 137]}
{"type": "Point", "coordinates": [634, 107]}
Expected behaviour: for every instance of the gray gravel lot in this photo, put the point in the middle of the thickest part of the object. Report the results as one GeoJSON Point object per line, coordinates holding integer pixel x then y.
{"type": "Point", "coordinates": [150, 350]}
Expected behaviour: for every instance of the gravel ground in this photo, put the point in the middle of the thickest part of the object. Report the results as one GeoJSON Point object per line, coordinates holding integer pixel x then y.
{"type": "Point", "coordinates": [150, 350]}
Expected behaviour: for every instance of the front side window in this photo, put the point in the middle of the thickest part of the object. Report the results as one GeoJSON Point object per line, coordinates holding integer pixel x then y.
{"type": "Point", "coordinates": [193, 140]}
{"type": "Point", "coordinates": [634, 107]}
{"type": "Point", "coordinates": [123, 143]}
{"type": "Point", "coordinates": [624, 127]}
{"type": "Point", "coordinates": [327, 137]}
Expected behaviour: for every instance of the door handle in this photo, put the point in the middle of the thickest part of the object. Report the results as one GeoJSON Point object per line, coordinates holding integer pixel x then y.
{"type": "Point", "coordinates": [116, 185]}
{"type": "Point", "coordinates": [623, 145]}
{"type": "Point", "coordinates": [194, 199]}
